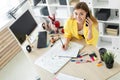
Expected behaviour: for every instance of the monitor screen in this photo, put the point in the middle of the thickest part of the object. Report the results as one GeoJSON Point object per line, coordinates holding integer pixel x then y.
{"type": "Point", "coordinates": [22, 26]}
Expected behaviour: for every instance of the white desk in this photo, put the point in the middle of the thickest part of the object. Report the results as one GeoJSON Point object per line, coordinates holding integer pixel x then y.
{"type": "Point", "coordinates": [89, 71]}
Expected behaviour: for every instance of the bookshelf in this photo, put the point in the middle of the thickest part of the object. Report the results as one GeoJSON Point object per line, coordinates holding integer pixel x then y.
{"type": "Point", "coordinates": [107, 38]}
{"type": "Point", "coordinates": [62, 12]}
{"type": "Point", "coordinates": [61, 8]}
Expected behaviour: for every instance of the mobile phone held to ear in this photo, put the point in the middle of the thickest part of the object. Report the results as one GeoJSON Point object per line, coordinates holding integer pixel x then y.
{"type": "Point", "coordinates": [88, 15]}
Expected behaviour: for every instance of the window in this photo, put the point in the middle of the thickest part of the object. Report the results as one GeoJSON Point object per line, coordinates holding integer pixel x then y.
{"type": "Point", "coordinates": [5, 6]}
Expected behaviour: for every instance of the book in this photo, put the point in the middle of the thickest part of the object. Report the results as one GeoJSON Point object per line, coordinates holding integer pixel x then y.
{"type": "Point", "coordinates": [73, 2]}
{"type": "Point", "coordinates": [62, 76]}
{"type": "Point", "coordinates": [115, 30]}
{"type": "Point", "coordinates": [112, 27]}
{"type": "Point", "coordinates": [112, 33]}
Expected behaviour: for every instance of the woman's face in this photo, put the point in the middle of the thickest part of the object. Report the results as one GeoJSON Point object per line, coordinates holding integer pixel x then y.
{"type": "Point", "coordinates": [80, 15]}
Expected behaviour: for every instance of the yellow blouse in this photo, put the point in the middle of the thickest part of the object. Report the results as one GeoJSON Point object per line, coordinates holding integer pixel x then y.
{"type": "Point", "coordinates": [71, 30]}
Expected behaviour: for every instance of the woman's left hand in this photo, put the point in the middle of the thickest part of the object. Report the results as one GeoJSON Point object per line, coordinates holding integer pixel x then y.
{"type": "Point", "coordinates": [89, 22]}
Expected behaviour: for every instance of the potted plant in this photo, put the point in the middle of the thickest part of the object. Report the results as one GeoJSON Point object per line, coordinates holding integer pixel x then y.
{"type": "Point", "coordinates": [108, 58]}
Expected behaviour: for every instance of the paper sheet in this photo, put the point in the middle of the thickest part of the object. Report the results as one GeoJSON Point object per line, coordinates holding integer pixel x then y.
{"type": "Point", "coordinates": [72, 50]}
{"type": "Point", "coordinates": [62, 76]}
{"type": "Point", "coordinates": [51, 60]}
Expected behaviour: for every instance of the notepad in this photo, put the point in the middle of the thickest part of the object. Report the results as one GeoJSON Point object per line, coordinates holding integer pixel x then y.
{"type": "Point", "coordinates": [62, 76]}
{"type": "Point", "coordinates": [42, 40]}
{"type": "Point", "coordinates": [51, 60]}
{"type": "Point", "coordinates": [72, 50]}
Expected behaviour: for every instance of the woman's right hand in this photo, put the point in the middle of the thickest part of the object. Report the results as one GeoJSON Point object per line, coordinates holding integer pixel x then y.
{"type": "Point", "coordinates": [65, 46]}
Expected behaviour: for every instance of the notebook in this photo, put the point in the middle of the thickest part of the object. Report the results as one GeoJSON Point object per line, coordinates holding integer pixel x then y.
{"type": "Point", "coordinates": [42, 39]}
{"type": "Point", "coordinates": [72, 50]}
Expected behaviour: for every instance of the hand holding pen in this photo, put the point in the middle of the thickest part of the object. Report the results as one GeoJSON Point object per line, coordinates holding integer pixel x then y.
{"type": "Point", "coordinates": [64, 46]}
{"type": "Point", "coordinates": [62, 43]}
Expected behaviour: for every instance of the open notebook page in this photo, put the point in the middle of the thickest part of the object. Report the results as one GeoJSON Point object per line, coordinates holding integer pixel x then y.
{"type": "Point", "coordinates": [72, 50]}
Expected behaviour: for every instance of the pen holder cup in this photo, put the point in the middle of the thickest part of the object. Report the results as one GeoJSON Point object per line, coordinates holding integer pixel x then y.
{"type": "Point", "coordinates": [102, 51]}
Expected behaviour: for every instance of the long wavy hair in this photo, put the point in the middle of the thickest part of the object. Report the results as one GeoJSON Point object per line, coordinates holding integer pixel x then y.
{"type": "Point", "coordinates": [84, 6]}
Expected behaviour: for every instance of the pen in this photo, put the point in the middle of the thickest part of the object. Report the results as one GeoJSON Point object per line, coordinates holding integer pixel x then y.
{"type": "Point", "coordinates": [80, 56]}
{"type": "Point", "coordinates": [64, 56]}
{"type": "Point", "coordinates": [84, 54]}
{"type": "Point", "coordinates": [80, 61]}
{"type": "Point", "coordinates": [62, 43]}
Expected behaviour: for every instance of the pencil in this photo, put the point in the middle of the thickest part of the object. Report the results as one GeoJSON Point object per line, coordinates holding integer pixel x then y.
{"type": "Point", "coordinates": [62, 42]}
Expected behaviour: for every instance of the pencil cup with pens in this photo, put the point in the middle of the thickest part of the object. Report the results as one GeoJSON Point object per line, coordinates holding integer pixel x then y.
{"type": "Point", "coordinates": [102, 51]}
{"type": "Point", "coordinates": [53, 39]}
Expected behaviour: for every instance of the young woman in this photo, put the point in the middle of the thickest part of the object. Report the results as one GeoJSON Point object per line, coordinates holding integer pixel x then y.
{"type": "Point", "coordinates": [81, 24]}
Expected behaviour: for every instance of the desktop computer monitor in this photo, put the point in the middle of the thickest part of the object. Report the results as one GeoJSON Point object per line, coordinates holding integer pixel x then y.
{"type": "Point", "coordinates": [23, 26]}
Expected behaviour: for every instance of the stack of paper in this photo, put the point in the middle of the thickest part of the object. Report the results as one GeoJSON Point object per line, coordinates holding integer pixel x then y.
{"type": "Point", "coordinates": [61, 76]}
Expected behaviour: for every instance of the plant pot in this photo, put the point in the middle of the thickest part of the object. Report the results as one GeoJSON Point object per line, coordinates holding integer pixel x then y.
{"type": "Point", "coordinates": [109, 65]}
{"type": "Point", "coordinates": [102, 51]}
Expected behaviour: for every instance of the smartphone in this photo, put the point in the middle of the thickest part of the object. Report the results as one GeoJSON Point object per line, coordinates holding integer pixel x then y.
{"type": "Point", "coordinates": [88, 15]}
